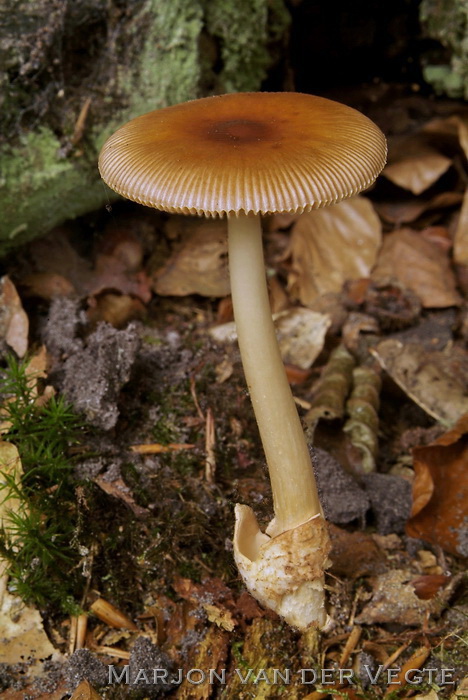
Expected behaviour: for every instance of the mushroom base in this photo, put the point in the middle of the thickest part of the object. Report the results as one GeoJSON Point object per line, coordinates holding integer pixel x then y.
{"type": "Point", "coordinates": [285, 573]}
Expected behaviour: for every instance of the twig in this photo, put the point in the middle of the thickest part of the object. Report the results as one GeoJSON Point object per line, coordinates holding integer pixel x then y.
{"type": "Point", "coordinates": [156, 448]}
{"type": "Point", "coordinates": [80, 123]}
{"type": "Point", "coordinates": [350, 645]}
{"type": "Point", "coordinates": [81, 628]}
{"type": "Point", "coordinates": [193, 392]}
{"type": "Point", "coordinates": [210, 442]}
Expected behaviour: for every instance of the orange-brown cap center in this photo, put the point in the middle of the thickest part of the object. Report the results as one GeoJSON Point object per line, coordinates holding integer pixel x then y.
{"type": "Point", "coordinates": [243, 130]}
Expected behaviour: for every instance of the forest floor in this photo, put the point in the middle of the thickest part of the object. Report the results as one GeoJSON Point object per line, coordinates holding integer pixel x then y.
{"type": "Point", "coordinates": [128, 436]}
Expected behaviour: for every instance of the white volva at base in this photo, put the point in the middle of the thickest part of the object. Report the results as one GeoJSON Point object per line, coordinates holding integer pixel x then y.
{"type": "Point", "coordinates": [284, 573]}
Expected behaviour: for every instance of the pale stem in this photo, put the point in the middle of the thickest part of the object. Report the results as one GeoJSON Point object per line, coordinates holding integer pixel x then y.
{"type": "Point", "coordinates": [292, 479]}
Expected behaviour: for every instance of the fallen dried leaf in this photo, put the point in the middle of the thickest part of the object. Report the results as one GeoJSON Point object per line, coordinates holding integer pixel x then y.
{"type": "Point", "coordinates": [224, 370]}
{"type": "Point", "coordinates": [354, 554]}
{"type": "Point", "coordinates": [436, 381]}
{"type": "Point", "coordinates": [22, 634]}
{"type": "Point", "coordinates": [461, 692]}
{"type": "Point", "coordinates": [300, 333]}
{"type": "Point", "coordinates": [440, 491]}
{"type": "Point", "coordinates": [408, 209]}
{"type": "Point", "coordinates": [431, 695]}
{"type": "Point", "coordinates": [85, 691]}
{"type": "Point", "coordinates": [119, 489]}
{"type": "Point", "coordinates": [33, 693]}
{"type": "Point", "coordinates": [330, 246]}
{"type": "Point", "coordinates": [394, 600]}
{"type": "Point", "coordinates": [199, 264]}
{"type": "Point", "coordinates": [110, 273]}
{"type": "Point", "coordinates": [356, 324]}
{"type": "Point", "coordinates": [221, 618]}
{"type": "Point", "coordinates": [116, 309]}
{"type": "Point", "coordinates": [116, 265]}
{"type": "Point", "coordinates": [296, 376]}
{"type": "Point", "coordinates": [55, 254]}
{"type": "Point", "coordinates": [47, 285]}
{"type": "Point", "coordinates": [14, 323]}
{"type": "Point", "coordinates": [449, 132]}
{"type": "Point", "coordinates": [460, 243]}
{"type": "Point", "coordinates": [392, 306]}
{"type": "Point", "coordinates": [11, 471]}
{"type": "Point", "coordinates": [426, 587]}
{"type": "Point", "coordinates": [415, 165]}
{"type": "Point", "coordinates": [418, 265]}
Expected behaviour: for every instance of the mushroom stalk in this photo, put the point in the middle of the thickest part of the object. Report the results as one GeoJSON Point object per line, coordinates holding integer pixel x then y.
{"type": "Point", "coordinates": [292, 479]}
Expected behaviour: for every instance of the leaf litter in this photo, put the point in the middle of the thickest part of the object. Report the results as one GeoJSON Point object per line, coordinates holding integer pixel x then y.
{"type": "Point", "coordinates": [390, 459]}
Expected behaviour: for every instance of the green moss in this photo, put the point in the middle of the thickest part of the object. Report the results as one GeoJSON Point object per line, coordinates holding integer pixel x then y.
{"type": "Point", "coordinates": [245, 30]}
{"type": "Point", "coordinates": [447, 21]}
{"type": "Point", "coordinates": [167, 69]}
{"type": "Point", "coordinates": [39, 189]}
{"type": "Point", "coordinates": [41, 536]}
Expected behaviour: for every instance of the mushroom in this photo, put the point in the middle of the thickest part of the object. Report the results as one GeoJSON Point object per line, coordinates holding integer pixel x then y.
{"type": "Point", "coordinates": [240, 156]}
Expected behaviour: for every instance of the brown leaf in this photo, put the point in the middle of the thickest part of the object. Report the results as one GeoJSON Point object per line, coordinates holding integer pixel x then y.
{"type": "Point", "coordinates": [33, 693]}
{"type": "Point", "coordinates": [356, 324]}
{"type": "Point", "coordinates": [23, 637]}
{"type": "Point", "coordinates": [296, 375]}
{"type": "Point", "coordinates": [117, 264]}
{"type": "Point", "coordinates": [418, 265]}
{"type": "Point", "coordinates": [449, 132]}
{"type": "Point", "coordinates": [47, 285]}
{"type": "Point", "coordinates": [394, 600]}
{"type": "Point", "coordinates": [460, 243]}
{"type": "Point", "coordinates": [408, 209]}
{"type": "Point", "coordinates": [116, 309]}
{"type": "Point", "coordinates": [14, 323]}
{"type": "Point", "coordinates": [354, 554]}
{"type": "Point", "coordinates": [301, 335]}
{"type": "Point", "coordinates": [220, 616]}
{"type": "Point", "coordinates": [248, 609]}
{"type": "Point", "coordinates": [55, 254]}
{"type": "Point", "coordinates": [119, 489]}
{"type": "Point", "coordinates": [426, 587]}
{"type": "Point", "coordinates": [415, 166]}
{"type": "Point", "coordinates": [440, 491]}
{"type": "Point", "coordinates": [11, 471]}
{"type": "Point", "coordinates": [85, 691]}
{"type": "Point", "coordinates": [111, 273]}
{"type": "Point", "coordinates": [330, 246]}
{"type": "Point", "coordinates": [300, 332]}
{"type": "Point", "coordinates": [436, 381]}
{"type": "Point", "coordinates": [199, 263]}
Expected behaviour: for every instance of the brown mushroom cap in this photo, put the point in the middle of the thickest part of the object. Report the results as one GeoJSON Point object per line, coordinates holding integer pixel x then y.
{"type": "Point", "coordinates": [244, 153]}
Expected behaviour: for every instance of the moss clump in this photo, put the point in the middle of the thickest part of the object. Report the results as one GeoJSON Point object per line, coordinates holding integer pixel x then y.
{"type": "Point", "coordinates": [447, 21]}
{"type": "Point", "coordinates": [249, 32]}
{"type": "Point", "coordinates": [40, 534]}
